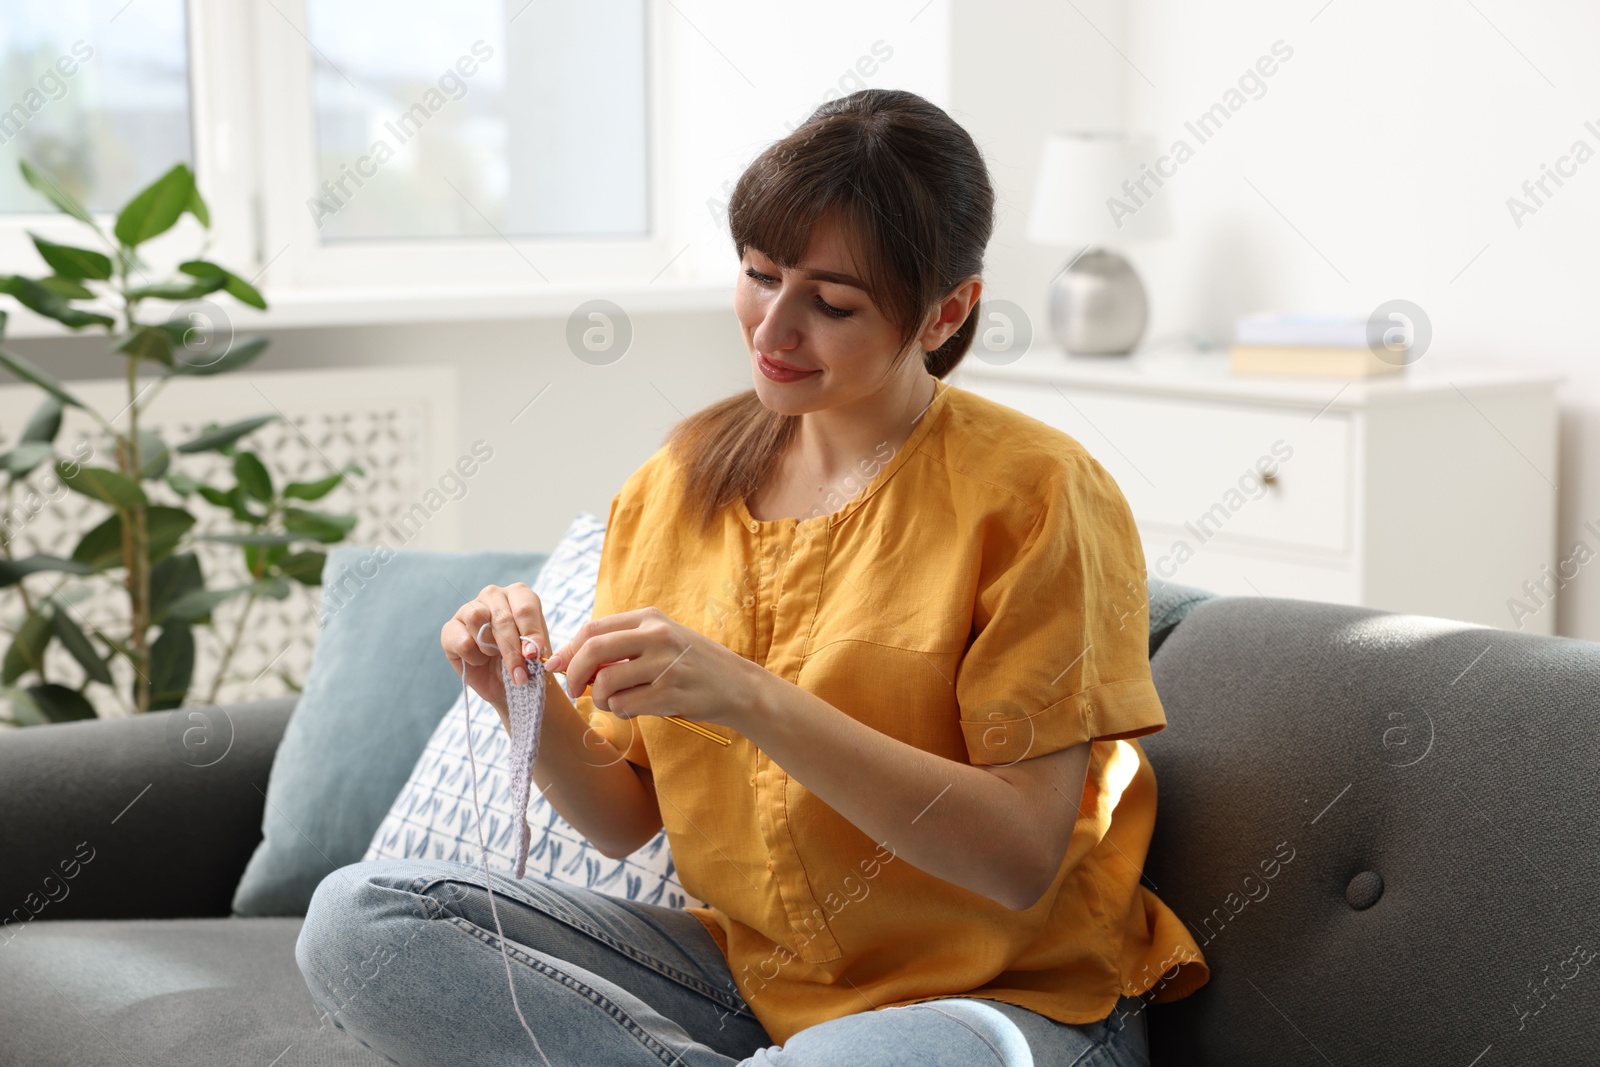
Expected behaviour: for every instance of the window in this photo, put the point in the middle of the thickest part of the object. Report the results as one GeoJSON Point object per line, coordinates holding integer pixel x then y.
{"type": "Point", "coordinates": [452, 121]}
{"type": "Point", "coordinates": [409, 159]}
{"type": "Point", "coordinates": [103, 105]}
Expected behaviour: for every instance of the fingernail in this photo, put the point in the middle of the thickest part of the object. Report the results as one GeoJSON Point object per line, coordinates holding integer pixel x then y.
{"type": "Point", "coordinates": [520, 675]}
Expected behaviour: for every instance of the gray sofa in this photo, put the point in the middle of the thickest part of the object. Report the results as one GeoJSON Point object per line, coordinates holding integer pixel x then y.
{"type": "Point", "coordinates": [1381, 827]}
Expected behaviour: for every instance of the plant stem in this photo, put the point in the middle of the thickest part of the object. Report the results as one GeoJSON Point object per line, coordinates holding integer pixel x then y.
{"type": "Point", "coordinates": [233, 646]}
{"type": "Point", "coordinates": [5, 547]}
{"type": "Point", "coordinates": [135, 535]}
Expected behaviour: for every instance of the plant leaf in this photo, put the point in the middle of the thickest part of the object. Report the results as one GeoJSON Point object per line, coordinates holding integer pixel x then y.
{"type": "Point", "coordinates": [30, 294]}
{"type": "Point", "coordinates": [12, 571]}
{"type": "Point", "coordinates": [239, 504]}
{"type": "Point", "coordinates": [198, 604]}
{"type": "Point", "coordinates": [305, 567]}
{"type": "Point", "coordinates": [252, 538]}
{"type": "Point", "coordinates": [71, 262]}
{"type": "Point", "coordinates": [153, 455]}
{"type": "Point", "coordinates": [173, 577]}
{"type": "Point", "coordinates": [197, 208]}
{"type": "Point", "coordinates": [27, 646]}
{"type": "Point", "coordinates": [221, 436]}
{"type": "Point", "coordinates": [52, 191]}
{"type": "Point", "coordinates": [101, 547]}
{"type": "Point", "coordinates": [164, 528]}
{"type": "Point", "coordinates": [28, 372]}
{"type": "Point", "coordinates": [24, 711]}
{"type": "Point", "coordinates": [171, 666]}
{"type": "Point", "coordinates": [322, 525]}
{"type": "Point", "coordinates": [66, 287]}
{"type": "Point", "coordinates": [103, 484]}
{"type": "Point", "coordinates": [237, 355]}
{"type": "Point", "coordinates": [45, 422]}
{"type": "Point", "coordinates": [149, 342]}
{"type": "Point", "coordinates": [176, 290]}
{"type": "Point", "coordinates": [157, 207]}
{"type": "Point", "coordinates": [253, 476]}
{"type": "Point", "coordinates": [183, 484]}
{"type": "Point", "coordinates": [77, 643]}
{"type": "Point", "coordinates": [26, 456]}
{"type": "Point", "coordinates": [276, 586]}
{"type": "Point", "coordinates": [314, 490]}
{"type": "Point", "coordinates": [237, 287]}
{"type": "Point", "coordinates": [57, 703]}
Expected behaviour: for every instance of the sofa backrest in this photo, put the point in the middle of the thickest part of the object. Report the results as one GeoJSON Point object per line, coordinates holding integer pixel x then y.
{"type": "Point", "coordinates": [1381, 829]}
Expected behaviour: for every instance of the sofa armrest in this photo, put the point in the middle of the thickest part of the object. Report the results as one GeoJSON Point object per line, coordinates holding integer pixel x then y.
{"type": "Point", "coordinates": [148, 816]}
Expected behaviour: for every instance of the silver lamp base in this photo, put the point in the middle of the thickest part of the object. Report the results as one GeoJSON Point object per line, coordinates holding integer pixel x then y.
{"type": "Point", "coordinates": [1097, 305]}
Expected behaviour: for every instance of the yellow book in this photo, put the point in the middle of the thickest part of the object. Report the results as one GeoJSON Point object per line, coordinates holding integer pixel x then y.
{"type": "Point", "coordinates": [1310, 360]}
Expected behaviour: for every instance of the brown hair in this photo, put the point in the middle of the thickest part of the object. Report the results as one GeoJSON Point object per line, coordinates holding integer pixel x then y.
{"type": "Point", "coordinates": [913, 195]}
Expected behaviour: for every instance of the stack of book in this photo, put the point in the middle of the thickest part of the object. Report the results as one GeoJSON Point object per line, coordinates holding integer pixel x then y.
{"type": "Point", "coordinates": [1311, 344]}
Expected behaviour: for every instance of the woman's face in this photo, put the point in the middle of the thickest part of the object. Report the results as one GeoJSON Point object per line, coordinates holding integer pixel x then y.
{"type": "Point", "coordinates": [816, 317]}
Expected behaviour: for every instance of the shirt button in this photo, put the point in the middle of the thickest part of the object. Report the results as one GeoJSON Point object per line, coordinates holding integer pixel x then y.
{"type": "Point", "coordinates": [754, 526]}
{"type": "Point", "coordinates": [752, 779]}
{"type": "Point", "coordinates": [769, 865]}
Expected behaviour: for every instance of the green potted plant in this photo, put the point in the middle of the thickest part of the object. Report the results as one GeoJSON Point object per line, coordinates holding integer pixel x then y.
{"type": "Point", "coordinates": [144, 548]}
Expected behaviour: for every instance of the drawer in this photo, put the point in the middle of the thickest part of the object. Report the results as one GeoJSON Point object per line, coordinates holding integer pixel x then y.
{"type": "Point", "coordinates": [1191, 468]}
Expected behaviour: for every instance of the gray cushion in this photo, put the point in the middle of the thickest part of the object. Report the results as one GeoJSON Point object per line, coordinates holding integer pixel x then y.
{"type": "Point", "coordinates": [175, 992]}
{"type": "Point", "coordinates": [377, 687]}
{"type": "Point", "coordinates": [1170, 602]}
{"type": "Point", "coordinates": [1454, 763]}
{"type": "Point", "coordinates": [96, 815]}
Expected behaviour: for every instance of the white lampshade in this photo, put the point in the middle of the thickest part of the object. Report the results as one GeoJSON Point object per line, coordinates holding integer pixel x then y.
{"type": "Point", "coordinates": [1080, 198]}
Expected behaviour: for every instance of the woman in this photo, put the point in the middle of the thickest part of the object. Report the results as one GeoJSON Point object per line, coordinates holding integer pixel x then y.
{"type": "Point", "coordinates": [917, 618]}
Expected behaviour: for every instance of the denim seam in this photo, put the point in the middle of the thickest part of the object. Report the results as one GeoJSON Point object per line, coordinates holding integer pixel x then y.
{"type": "Point", "coordinates": [705, 989]}
{"type": "Point", "coordinates": [600, 1000]}
{"type": "Point", "coordinates": [998, 1057]}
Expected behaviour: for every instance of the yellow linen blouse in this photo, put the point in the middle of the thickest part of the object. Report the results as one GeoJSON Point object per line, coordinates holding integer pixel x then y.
{"type": "Point", "coordinates": [982, 597]}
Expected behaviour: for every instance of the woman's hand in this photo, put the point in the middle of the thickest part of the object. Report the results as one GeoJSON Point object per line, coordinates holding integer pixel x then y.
{"type": "Point", "coordinates": [643, 662]}
{"type": "Point", "coordinates": [514, 612]}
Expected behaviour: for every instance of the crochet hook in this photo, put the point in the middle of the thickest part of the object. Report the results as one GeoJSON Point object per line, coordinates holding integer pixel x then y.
{"type": "Point", "coordinates": [529, 641]}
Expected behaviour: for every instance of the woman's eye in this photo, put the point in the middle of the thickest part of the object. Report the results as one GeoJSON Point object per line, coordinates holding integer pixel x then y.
{"type": "Point", "coordinates": [829, 309]}
{"type": "Point", "coordinates": [764, 279]}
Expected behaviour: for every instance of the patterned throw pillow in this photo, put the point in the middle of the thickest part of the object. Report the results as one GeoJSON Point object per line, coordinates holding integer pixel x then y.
{"type": "Point", "coordinates": [433, 816]}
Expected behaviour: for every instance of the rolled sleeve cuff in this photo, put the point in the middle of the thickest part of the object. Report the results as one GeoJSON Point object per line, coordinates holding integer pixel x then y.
{"type": "Point", "coordinates": [1106, 712]}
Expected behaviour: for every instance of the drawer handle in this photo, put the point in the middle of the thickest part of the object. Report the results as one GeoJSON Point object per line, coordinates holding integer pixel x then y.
{"type": "Point", "coordinates": [1269, 478]}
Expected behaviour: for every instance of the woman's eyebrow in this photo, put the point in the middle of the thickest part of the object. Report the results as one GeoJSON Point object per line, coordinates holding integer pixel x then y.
{"type": "Point", "coordinates": [833, 276]}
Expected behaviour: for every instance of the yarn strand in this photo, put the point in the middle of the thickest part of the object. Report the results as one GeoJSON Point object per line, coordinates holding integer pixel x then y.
{"type": "Point", "coordinates": [527, 715]}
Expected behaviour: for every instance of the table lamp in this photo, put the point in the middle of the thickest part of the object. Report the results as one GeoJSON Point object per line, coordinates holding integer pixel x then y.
{"type": "Point", "coordinates": [1096, 188]}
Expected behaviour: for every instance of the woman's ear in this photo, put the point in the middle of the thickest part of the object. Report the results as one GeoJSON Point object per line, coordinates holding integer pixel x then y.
{"type": "Point", "coordinates": [948, 315]}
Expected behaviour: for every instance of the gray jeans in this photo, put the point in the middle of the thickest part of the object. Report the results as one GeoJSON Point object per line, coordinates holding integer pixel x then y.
{"type": "Point", "coordinates": [403, 956]}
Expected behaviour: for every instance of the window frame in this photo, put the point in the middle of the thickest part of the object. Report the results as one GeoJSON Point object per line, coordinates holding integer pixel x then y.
{"type": "Point", "coordinates": [300, 260]}
{"type": "Point", "coordinates": [250, 140]}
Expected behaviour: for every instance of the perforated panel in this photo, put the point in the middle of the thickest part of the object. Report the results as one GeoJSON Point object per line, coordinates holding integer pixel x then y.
{"type": "Point", "coordinates": [397, 424]}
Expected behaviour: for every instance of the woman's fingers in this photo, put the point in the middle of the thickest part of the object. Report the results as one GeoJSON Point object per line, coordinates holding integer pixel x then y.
{"type": "Point", "coordinates": [529, 614]}
{"type": "Point", "coordinates": [456, 638]}
{"type": "Point", "coordinates": [502, 630]}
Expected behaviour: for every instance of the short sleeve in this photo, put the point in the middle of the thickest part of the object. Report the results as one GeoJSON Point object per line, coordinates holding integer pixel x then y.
{"type": "Point", "coordinates": [1061, 652]}
{"type": "Point", "coordinates": [623, 733]}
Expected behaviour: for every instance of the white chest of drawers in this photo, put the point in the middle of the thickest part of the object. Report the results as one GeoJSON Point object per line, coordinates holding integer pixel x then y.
{"type": "Point", "coordinates": [1433, 492]}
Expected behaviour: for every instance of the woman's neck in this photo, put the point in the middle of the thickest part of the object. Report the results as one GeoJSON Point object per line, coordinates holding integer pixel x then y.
{"type": "Point", "coordinates": [837, 442]}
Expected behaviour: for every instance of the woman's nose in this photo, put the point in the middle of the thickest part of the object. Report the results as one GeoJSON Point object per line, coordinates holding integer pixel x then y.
{"type": "Point", "coordinates": [776, 331]}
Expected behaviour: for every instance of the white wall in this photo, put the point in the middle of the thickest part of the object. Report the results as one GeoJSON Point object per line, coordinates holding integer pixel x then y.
{"type": "Point", "coordinates": [1391, 140]}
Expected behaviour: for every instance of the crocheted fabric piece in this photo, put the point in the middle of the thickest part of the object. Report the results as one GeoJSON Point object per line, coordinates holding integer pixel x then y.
{"type": "Point", "coordinates": [526, 706]}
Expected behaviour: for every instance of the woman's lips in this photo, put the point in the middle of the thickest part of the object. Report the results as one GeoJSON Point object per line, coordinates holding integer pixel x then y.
{"type": "Point", "coordinates": [779, 372]}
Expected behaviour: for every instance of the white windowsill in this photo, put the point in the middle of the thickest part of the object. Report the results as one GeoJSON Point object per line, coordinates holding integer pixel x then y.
{"type": "Point", "coordinates": [299, 308]}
